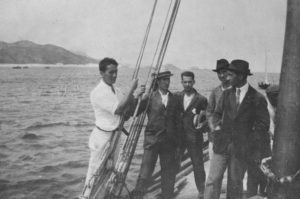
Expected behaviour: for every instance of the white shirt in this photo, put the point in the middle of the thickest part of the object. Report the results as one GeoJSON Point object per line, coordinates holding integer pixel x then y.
{"type": "Point", "coordinates": [244, 90]}
{"type": "Point", "coordinates": [223, 89]}
{"type": "Point", "coordinates": [164, 98]}
{"type": "Point", "coordinates": [105, 103]}
{"type": "Point", "coordinates": [187, 100]}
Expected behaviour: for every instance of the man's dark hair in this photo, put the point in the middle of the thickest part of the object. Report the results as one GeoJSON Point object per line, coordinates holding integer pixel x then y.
{"type": "Point", "coordinates": [105, 62]}
{"type": "Point", "coordinates": [188, 74]}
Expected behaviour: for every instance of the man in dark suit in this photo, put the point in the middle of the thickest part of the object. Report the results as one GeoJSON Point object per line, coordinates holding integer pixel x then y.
{"type": "Point", "coordinates": [221, 70]}
{"type": "Point", "coordinates": [161, 138]}
{"type": "Point", "coordinates": [257, 181]}
{"type": "Point", "coordinates": [192, 103]}
{"type": "Point", "coordinates": [240, 121]}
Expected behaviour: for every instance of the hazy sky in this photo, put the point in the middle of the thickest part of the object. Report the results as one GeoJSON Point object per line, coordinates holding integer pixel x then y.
{"type": "Point", "coordinates": [205, 30]}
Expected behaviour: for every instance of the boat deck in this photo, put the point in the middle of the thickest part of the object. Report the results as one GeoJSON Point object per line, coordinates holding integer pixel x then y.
{"type": "Point", "coordinates": [190, 190]}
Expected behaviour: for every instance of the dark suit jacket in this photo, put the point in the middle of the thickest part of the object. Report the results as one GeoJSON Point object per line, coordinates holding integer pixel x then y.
{"type": "Point", "coordinates": [197, 104]}
{"type": "Point", "coordinates": [246, 128]}
{"type": "Point", "coordinates": [163, 122]}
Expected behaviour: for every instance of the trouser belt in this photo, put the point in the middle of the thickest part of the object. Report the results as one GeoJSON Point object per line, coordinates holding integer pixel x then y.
{"type": "Point", "coordinates": [122, 129]}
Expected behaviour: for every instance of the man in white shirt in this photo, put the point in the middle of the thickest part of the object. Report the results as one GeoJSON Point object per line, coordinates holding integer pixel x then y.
{"type": "Point", "coordinates": [109, 105]}
{"type": "Point", "coordinates": [192, 103]}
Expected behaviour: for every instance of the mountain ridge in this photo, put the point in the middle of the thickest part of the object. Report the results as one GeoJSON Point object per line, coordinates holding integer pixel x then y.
{"type": "Point", "coordinates": [28, 52]}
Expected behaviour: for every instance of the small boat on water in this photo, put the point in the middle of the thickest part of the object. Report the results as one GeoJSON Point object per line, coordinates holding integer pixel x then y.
{"type": "Point", "coordinates": [17, 67]}
{"type": "Point", "coordinates": [263, 85]}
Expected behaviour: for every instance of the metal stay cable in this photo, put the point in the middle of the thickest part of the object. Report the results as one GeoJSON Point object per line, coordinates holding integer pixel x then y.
{"type": "Point", "coordinates": [141, 54]}
{"type": "Point", "coordinates": [136, 125]}
{"type": "Point", "coordinates": [162, 53]}
{"type": "Point", "coordinates": [141, 119]}
{"type": "Point", "coordinates": [139, 60]}
{"type": "Point", "coordinates": [151, 66]}
{"type": "Point", "coordinates": [158, 66]}
{"type": "Point", "coordinates": [158, 43]}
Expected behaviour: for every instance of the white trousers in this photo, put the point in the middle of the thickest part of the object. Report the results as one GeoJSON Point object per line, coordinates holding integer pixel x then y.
{"type": "Point", "coordinates": [98, 141]}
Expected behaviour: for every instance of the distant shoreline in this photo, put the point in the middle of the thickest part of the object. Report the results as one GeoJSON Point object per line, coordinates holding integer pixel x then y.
{"type": "Point", "coordinates": [96, 65]}
{"type": "Point", "coordinates": [48, 65]}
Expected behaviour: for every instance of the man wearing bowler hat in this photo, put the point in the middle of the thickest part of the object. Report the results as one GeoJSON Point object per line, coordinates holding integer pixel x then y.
{"type": "Point", "coordinates": [221, 70]}
{"type": "Point", "coordinates": [222, 73]}
{"type": "Point", "coordinates": [240, 121]}
{"type": "Point", "coordinates": [161, 137]}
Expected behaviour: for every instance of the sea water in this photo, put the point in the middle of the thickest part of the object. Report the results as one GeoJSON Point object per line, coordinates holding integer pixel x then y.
{"type": "Point", "coordinates": [45, 121]}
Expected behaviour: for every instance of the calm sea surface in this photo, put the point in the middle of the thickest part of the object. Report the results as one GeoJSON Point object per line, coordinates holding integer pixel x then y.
{"type": "Point", "coordinates": [45, 122]}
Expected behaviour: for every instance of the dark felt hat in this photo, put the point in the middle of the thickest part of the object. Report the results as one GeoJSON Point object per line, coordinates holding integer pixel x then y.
{"type": "Point", "coordinates": [221, 64]}
{"type": "Point", "coordinates": [240, 66]}
{"type": "Point", "coordinates": [163, 74]}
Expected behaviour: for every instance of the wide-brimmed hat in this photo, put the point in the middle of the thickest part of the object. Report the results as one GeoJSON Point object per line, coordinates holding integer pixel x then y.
{"type": "Point", "coordinates": [239, 66]}
{"type": "Point", "coordinates": [162, 74]}
{"type": "Point", "coordinates": [221, 64]}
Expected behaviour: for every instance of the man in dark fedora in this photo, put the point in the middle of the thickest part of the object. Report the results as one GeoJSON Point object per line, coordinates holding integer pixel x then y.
{"type": "Point", "coordinates": [222, 73]}
{"type": "Point", "coordinates": [221, 70]}
{"type": "Point", "coordinates": [161, 137]}
{"type": "Point", "coordinates": [240, 121]}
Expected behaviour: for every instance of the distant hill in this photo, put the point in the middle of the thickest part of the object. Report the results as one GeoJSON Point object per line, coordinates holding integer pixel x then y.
{"type": "Point", "coordinates": [27, 52]}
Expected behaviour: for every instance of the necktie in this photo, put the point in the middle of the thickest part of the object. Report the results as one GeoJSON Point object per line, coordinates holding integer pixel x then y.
{"type": "Point", "coordinates": [237, 95]}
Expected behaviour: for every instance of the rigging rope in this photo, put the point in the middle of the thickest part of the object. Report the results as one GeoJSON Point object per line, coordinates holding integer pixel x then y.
{"type": "Point", "coordinates": [140, 57]}
{"type": "Point", "coordinates": [113, 182]}
{"type": "Point", "coordinates": [124, 160]}
{"type": "Point", "coordinates": [159, 40]}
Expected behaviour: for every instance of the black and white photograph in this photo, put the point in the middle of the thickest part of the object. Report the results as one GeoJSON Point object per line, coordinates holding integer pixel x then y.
{"type": "Point", "coordinates": [149, 99]}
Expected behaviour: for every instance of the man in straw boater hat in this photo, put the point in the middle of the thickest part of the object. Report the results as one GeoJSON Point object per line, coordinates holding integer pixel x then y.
{"type": "Point", "coordinates": [161, 138]}
{"type": "Point", "coordinates": [240, 122]}
{"type": "Point", "coordinates": [109, 103]}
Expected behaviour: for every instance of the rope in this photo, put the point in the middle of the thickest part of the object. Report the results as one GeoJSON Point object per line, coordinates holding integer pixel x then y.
{"type": "Point", "coordinates": [266, 169]}
{"type": "Point", "coordinates": [149, 72]}
{"type": "Point", "coordinates": [126, 155]}
{"type": "Point", "coordinates": [140, 57]}
{"type": "Point", "coordinates": [159, 40]}
{"type": "Point", "coordinates": [139, 60]}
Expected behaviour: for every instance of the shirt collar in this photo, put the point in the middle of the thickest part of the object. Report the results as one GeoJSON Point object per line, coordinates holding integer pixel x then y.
{"type": "Point", "coordinates": [244, 88]}
{"type": "Point", "coordinates": [223, 89]}
{"type": "Point", "coordinates": [164, 95]}
{"type": "Point", "coordinates": [102, 82]}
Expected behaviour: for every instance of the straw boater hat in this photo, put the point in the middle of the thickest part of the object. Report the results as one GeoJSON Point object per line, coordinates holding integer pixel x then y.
{"type": "Point", "coordinates": [163, 74]}
{"type": "Point", "coordinates": [221, 64]}
{"type": "Point", "coordinates": [240, 66]}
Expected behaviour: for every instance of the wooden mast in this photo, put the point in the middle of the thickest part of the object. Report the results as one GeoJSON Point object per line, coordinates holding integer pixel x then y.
{"type": "Point", "coordinates": [286, 150]}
